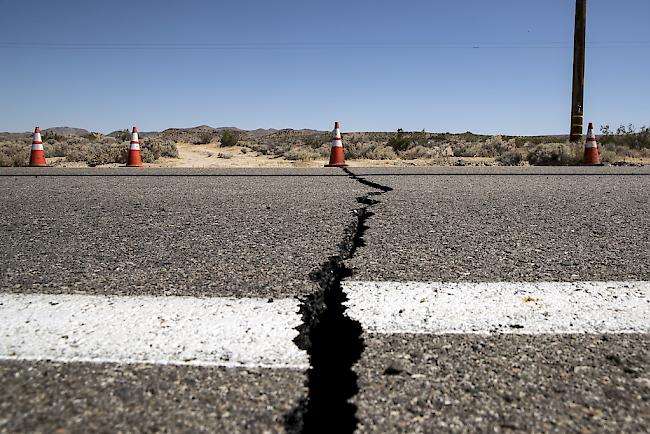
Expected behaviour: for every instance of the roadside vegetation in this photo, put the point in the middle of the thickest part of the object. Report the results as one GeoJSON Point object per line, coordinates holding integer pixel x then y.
{"type": "Point", "coordinates": [624, 145]}
{"type": "Point", "coordinates": [93, 149]}
{"type": "Point", "coordinates": [454, 149]}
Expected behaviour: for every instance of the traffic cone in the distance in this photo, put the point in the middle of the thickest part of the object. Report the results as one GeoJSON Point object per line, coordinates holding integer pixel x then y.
{"type": "Point", "coordinates": [591, 157]}
{"type": "Point", "coordinates": [134, 159]}
{"type": "Point", "coordinates": [336, 154]}
{"type": "Point", "coordinates": [37, 156]}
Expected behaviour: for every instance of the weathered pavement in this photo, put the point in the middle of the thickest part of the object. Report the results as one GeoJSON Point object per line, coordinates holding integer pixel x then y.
{"type": "Point", "coordinates": [243, 235]}
{"type": "Point", "coordinates": [199, 234]}
{"type": "Point", "coordinates": [510, 225]}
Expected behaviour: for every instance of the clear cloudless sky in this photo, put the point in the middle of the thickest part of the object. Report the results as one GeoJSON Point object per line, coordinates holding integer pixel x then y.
{"type": "Point", "coordinates": [497, 66]}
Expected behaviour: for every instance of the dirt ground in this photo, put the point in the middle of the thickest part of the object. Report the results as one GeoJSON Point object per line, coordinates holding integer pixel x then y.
{"type": "Point", "coordinates": [212, 155]}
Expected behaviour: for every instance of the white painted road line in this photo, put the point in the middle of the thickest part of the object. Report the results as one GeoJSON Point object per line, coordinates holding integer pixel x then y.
{"type": "Point", "coordinates": [485, 308]}
{"type": "Point", "coordinates": [158, 330]}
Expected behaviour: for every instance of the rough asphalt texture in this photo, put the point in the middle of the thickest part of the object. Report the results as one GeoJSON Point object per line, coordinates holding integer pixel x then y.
{"type": "Point", "coordinates": [242, 235]}
{"type": "Point", "coordinates": [245, 236]}
{"type": "Point", "coordinates": [179, 232]}
{"type": "Point", "coordinates": [494, 227]}
{"type": "Point", "coordinates": [461, 383]}
{"type": "Point", "coordinates": [500, 224]}
{"type": "Point", "coordinates": [51, 397]}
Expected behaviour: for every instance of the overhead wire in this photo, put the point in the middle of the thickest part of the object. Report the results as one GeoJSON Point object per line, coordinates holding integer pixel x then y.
{"type": "Point", "coordinates": [308, 45]}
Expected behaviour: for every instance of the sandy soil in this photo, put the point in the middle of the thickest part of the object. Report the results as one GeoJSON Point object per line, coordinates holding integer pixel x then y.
{"type": "Point", "coordinates": [212, 155]}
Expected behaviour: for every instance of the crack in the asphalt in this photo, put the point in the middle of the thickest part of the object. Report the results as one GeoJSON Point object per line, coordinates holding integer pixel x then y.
{"type": "Point", "coordinates": [332, 340]}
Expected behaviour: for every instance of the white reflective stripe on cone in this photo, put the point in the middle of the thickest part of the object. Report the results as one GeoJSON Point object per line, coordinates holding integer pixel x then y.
{"type": "Point", "coordinates": [37, 137]}
{"type": "Point", "coordinates": [134, 147]}
{"type": "Point", "coordinates": [37, 146]}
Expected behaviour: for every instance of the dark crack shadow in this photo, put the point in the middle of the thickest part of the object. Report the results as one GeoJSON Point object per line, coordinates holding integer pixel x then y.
{"type": "Point", "coordinates": [332, 340]}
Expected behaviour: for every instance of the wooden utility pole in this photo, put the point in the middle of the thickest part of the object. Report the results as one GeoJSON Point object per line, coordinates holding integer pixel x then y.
{"type": "Point", "coordinates": [577, 99]}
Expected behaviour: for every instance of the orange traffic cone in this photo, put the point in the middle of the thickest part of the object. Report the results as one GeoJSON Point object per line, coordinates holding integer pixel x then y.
{"type": "Point", "coordinates": [336, 154]}
{"type": "Point", "coordinates": [134, 159]}
{"type": "Point", "coordinates": [591, 157]}
{"type": "Point", "coordinates": [37, 157]}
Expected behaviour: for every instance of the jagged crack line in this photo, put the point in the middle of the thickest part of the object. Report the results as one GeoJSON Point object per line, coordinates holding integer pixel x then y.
{"type": "Point", "coordinates": [332, 340]}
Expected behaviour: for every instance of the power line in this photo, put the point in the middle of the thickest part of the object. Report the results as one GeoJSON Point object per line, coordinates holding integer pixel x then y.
{"type": "Point", "coordinates": [310, 46]}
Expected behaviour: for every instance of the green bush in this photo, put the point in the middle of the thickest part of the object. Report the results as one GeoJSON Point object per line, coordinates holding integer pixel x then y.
{"type": "Point", "coordinates": [51, 135]}
{"type": "Point", "coordinates": [123, 136]}
{"type": "Point", "coordinates": [402, 141]}
{"type": "Point", "coordinates": [204, 138]}
{"type": "Point", "coordinates": [229, 138]}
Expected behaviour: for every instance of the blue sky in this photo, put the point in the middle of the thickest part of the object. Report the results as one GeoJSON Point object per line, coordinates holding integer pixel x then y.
{"type": "Point", "coordinates": [371, 64]}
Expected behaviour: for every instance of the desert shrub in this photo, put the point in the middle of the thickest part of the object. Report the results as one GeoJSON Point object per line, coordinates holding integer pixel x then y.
{"type": "Point", "coordinates": [160, 148]}
{"type": "Point", "coordinates": [77, 151]}
{"type": "Point", "coordinates": [358, 151]}
{"type": "Point", "coordinates": [229, 138]}
{"type": "Point", "coordinates": [402, 141]}
{"type": "Point", "coordinates": [399, 142]}
{"type": "Point", "coordinates": [54, 149]}
{"type": "Point", "coordinates": [101, 150]}
{"type": "Point", "coordinates": [382, 153]}
{"type": "Point", "coordinates": [610, 156]}
{"type": "Point", "coordinates": [496, 146]}
{"type": "Point", "coordinates": [626, 136]}
{"type": "Point", "coordinates": [204, 138]}
{"type": "Point", "coordinates": [301, 154]}
{"type": "Point", "coordinates": [419, 152]}
{"type": "Point", "coordinates": [147, 156]}
{"type": "Point", "coordinates": [106, 154]}
{"type": "Point", "coordinates": [326, 149]}
{"type": "Point", "coordinates": [51, 135]}
{"type": "Point", "coordinates": [123, 136]}
{"type": "Point", "coordinates": [466, 149]}
{"type": "Point", "coordinates": [92, 137]}
{"type": "Point", "coordinates": [514, 157]}
{"type": "Point", "coordinates": [14, 154]}
{"type": "Point", "coordinates": [316, 140]}
{"type": "Point", "coordinates": [555, 154]}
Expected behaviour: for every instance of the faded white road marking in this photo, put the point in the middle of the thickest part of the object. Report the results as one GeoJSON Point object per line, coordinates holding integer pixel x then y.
{"type": "Point", "coordinates": [480, 308]}
{"type": "Point", "coordinates": [160, 330]}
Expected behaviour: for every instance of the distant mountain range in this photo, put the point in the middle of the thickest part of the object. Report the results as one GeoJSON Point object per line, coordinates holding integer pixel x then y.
{"type": "Point", "coordinates": [67, 131]}
{"type": "Point", "coordinates": [189, 134]}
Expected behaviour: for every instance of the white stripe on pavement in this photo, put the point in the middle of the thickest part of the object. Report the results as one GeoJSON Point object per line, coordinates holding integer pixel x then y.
{"type": "Point", "coordinates": [159, 330]}
{"type": "Point", "coordinates": [483, 308]}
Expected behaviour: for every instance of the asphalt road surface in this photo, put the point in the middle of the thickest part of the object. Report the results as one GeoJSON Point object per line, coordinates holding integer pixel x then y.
{"type": "Point", "coordinates": [121, 290]}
